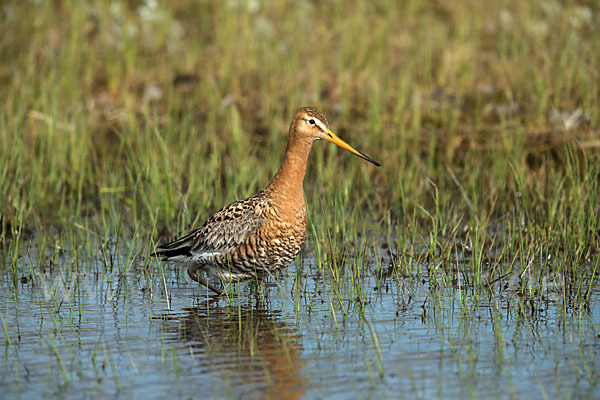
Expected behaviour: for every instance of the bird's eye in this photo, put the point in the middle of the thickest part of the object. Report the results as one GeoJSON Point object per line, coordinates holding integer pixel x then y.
{"type": "Point", "coordinates": [311, 121]}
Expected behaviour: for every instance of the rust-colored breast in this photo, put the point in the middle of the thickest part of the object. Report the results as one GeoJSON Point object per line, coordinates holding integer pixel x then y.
{"type": "Point", "coordinates": [282, 237]}
{"type": "Point", "coordinates": [250, 238]}
{"type": "Point", "coordinates": [272, 246]}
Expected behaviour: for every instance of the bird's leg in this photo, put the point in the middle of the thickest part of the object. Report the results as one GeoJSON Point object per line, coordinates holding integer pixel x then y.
{"type": "Point", "coordinates": [225, 286]}
{"type": "Point", "coordinates": [263, 284]}
{"type": "Point", "coordinates": [192, 273]}
{"type": "Point", "coordinates": [260, 288]}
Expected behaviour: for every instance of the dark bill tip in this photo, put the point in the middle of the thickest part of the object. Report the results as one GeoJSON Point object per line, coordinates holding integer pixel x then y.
{"type": "Point", "coordinates": [369, 159]}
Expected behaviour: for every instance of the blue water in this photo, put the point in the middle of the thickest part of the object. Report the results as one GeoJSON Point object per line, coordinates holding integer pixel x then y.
{"type": "Point", "coordinates": [149, 332]}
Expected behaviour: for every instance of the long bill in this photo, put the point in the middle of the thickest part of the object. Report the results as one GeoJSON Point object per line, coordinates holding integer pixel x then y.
{"type": "Point", "coordinates": [332, 137]}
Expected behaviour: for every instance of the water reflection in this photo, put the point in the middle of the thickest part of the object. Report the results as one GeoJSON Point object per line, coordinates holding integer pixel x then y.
{"type": "Point", "coordinates": [252, 348]}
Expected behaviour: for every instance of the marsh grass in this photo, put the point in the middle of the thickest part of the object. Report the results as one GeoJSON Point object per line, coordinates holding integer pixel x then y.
{"type": "Point", "coordinates": [124, 123]}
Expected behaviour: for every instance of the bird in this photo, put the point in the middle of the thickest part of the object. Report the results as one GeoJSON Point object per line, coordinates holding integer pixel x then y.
{"type": "Point", "coordinates": [257, 236]}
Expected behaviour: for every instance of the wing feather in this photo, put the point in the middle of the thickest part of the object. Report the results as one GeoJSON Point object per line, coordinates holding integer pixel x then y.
{"type": "Point", "coordinates": [227, 228]}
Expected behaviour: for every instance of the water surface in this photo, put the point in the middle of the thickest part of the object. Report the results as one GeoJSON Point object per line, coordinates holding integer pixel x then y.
{"type": "Point", "coordinates": [146, 331]}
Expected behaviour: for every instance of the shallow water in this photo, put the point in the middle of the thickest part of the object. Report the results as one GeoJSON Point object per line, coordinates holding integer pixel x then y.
{"type": "Point", "coordinates": [150, 332]}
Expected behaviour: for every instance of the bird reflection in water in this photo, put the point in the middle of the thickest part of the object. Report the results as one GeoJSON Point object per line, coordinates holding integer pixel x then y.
{"type": "Point", "coordinates": [252, 348]}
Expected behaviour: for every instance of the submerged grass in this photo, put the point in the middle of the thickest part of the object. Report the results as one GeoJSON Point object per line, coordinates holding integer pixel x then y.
{"type": "Point", "coordinates": [122, 122]}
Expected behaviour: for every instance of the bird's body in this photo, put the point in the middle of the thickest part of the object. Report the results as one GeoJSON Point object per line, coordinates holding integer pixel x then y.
{"type": "Point", "coordinates": [247, 239]}
{"type": "Point", "coordinates": [252, 238]}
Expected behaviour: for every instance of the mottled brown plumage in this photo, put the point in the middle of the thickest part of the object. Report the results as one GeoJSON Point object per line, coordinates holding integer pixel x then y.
{"type": "Point", "coordinates": [255, 237]}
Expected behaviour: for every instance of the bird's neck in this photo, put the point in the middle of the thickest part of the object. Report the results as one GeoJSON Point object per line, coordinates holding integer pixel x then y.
{"type": "Point", "coordinates": [288, 181]}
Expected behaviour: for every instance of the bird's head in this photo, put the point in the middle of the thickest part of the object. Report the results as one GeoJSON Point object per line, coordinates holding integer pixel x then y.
{"type": "Point", "coordinates": [308, 123]}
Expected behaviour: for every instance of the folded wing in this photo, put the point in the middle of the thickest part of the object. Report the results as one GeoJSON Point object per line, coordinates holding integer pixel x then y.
{"type": "Point", "coordinates": [224, 231]}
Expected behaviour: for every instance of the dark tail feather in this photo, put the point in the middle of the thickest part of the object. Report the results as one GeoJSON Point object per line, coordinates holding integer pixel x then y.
{"type": "Point", "coordinates": [179, 247]}
{"type": "Point", "coordinates": [165, 253]}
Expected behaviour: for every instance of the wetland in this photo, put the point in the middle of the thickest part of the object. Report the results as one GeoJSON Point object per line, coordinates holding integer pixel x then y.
{"type": "Point", "coordinates": [465, 267]}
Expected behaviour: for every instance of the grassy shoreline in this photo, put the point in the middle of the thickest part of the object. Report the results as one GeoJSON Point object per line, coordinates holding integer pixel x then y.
{"type": "Point", "coordinates": [142, 119]}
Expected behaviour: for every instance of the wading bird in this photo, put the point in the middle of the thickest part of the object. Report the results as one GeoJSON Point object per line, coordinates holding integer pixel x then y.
{"type": "Point", "coordinates": [252, 238]}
